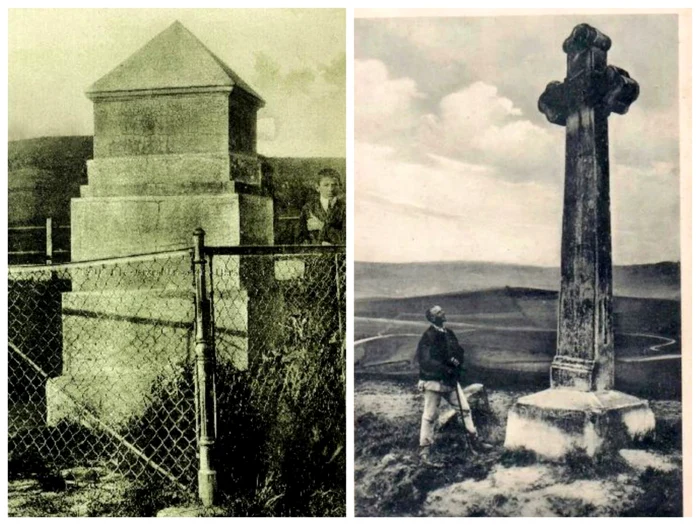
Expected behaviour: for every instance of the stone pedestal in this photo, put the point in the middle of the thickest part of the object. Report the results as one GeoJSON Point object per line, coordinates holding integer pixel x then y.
{"type": "Point", "coordinates": [174, 150]}
{"type": "Point", "coordinates": [558, 421]}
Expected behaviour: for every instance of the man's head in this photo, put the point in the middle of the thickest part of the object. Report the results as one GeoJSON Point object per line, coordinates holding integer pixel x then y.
{"type": "Point", "coordinates": [436, 315]}
{"type": "Point", "coordinates": [328, 183]}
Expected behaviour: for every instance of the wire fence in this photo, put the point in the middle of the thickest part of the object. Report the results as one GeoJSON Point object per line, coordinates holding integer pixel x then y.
{"type": "Point", "coordinates": [101, 370]}
{"type": "Point", "coordinates": [99, 356]}
{"type": "Point", "coordinates": [286, 422]}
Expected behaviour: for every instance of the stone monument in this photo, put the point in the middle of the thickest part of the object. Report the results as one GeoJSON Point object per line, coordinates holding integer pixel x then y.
{"type": "Point", "coordinates": [581, 410]}
{"type": "Point", "coordinates": [174, 150]}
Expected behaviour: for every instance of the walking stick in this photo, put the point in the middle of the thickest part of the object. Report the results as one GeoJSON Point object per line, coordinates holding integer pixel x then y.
{"type": "Point", "coordinates": [458, 392]}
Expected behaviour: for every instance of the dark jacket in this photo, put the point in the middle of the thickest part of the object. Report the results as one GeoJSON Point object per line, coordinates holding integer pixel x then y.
{"type": "Point", "coordinates": [435, 350]}
{"type": "Point", "coordinates": [333, 231]}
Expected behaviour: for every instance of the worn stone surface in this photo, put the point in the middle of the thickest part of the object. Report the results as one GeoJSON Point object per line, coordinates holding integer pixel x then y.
{"type": "Point", "coordinates": [122, 226]}
{"type": "Point", "coordinates": [555, 422]}
{"type": "Point", "coordinates": [161, 125]}
{"type": "Point", "coordinates": [172, 169]}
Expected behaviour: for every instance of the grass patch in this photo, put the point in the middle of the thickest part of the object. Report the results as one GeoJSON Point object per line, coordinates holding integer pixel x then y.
{"type": "Point", "coordinates": [662, 494]}
{"type": "Point", "coordinates": [579, 465]}
{"type": "Point", "coordinates": [519, 457]}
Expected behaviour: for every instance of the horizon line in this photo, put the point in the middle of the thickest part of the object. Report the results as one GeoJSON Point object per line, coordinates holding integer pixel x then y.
{"type": "Point", "coordinates": [506, 263]}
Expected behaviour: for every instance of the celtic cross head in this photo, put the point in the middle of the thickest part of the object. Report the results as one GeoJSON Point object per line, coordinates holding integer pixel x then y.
{"type": "Point", "coordinates": [589, 82]}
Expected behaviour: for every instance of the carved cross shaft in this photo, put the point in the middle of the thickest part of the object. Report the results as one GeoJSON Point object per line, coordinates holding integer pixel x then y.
{"type": "Point", "coordinates": [583, 102]}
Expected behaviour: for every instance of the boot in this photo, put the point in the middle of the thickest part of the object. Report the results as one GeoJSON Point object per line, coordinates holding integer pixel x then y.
{"type": "Point", "coordinates": [477, 444]}
{"type": "Point", "coordinates": [427, 460]}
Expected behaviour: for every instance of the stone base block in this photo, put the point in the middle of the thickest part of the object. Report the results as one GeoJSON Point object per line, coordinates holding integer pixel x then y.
{"type": "Point", "coordinates": [120, 226]}
{"type": "Point", "coordinates": [557, 421]}
{"type": "Point", "coordinates": [121, 346]}
{"type": "Point", "coordinates": [105, 227]}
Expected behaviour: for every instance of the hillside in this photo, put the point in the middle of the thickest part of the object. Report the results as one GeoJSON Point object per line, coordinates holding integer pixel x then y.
{"type": "Point", "coordinates": [45, 173]}
{"type": "Point", "coordinates": [524, 308]}
{"type": "Point", "coordinates": [660, 280]}
{"type": "Point", "coordinates": [509, 335]}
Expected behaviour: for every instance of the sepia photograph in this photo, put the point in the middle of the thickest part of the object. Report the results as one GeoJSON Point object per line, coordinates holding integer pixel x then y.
{"type": "Point", "coordinates": [519, 229]}
{"type": "Point", "coordinates": [176, 262]}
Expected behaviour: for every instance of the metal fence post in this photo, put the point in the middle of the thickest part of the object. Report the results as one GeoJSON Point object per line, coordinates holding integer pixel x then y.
{"type": "Point", "coordinates": [204, 376]}
{"type": "Point", "coordinates": [49, 241]}
{"type": "Point", "coordinates": [338, 297]}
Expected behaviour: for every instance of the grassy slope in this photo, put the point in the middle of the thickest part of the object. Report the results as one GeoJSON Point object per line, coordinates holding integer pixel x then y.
{"type": "Point", "coordinates": [389, 481]}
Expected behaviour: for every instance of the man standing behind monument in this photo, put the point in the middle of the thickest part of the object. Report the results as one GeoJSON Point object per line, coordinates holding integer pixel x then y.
{"type": "Point", "coordinates": [322, 219]}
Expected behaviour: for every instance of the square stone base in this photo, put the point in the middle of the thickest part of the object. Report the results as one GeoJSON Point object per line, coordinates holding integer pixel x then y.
{"type": "Point", "coordinates": [557, 421]}
{"type": "Point", "coordinates": [121, 346]}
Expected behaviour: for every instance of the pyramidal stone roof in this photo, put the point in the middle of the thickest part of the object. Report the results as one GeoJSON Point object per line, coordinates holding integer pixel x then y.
{"type": "Point", "coordinates": [173, 59]}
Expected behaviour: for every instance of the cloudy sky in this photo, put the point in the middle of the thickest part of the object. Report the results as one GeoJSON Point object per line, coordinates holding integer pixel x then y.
{"type": "Point", "coordinates": [294, 58]}
{"type": "Point", "coordinates": [454, 162]}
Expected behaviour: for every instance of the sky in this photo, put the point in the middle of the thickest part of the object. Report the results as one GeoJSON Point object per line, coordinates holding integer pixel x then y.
{"type": "Point", "coordinates": [453, 161]}
{"type": "Point", "coordinates": [295, 59]}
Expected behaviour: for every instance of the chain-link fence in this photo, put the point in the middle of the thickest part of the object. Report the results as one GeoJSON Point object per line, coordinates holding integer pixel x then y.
{"type": "Point", "coordinates": [102, 372]}
{"type": "Point", "coordinates": [99, 366]}
{"type": "Point", "coordinates": [281, 433]}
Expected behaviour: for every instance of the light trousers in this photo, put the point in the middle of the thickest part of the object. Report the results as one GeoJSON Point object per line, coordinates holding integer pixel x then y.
{"type": "Point", "coordinates": [431, 409]}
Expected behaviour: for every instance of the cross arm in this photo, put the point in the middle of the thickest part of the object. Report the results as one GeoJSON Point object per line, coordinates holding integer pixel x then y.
{"type": "Point", "coordinates": [619, 90]}
{"type": "Point", "coordinates": [554, 103]}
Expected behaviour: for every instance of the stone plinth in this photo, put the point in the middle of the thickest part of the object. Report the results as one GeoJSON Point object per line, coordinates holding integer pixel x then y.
{"type": "Point", "coordinates": [557, 421]}
{"type": "Point", "coordinates": [142, 224]}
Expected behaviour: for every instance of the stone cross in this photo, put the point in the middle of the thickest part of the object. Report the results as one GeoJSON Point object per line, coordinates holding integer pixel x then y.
{"type": "Point", "coordinates": [591, 91]}
{"type": "Point", "coordinates": [581, 411]}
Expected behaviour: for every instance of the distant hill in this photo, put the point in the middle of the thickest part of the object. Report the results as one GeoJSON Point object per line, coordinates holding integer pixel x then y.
{"type": "Point", "coordinates": [522, 307]}
{"type": "Point", "coordinates": [510, 336]}
{"type": "Point", "coordinates": [66, 154]}
{"type": "Point", "coordinates": [659, 280]}
{"type": "Point", "coordinates": [45, 173]}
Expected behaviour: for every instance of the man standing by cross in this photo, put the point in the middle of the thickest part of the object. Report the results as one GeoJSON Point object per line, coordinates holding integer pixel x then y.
{"type": "Point", "coordinates": [580, 410]}
{"type": "Point", "coordinates": [440, 358]}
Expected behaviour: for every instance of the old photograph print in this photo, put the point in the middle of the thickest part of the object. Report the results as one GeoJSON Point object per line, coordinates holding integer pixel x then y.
{"type": "Point", "coordinates": [176, 287]}
{"type": "Point", "coordinates": [517, 265]}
